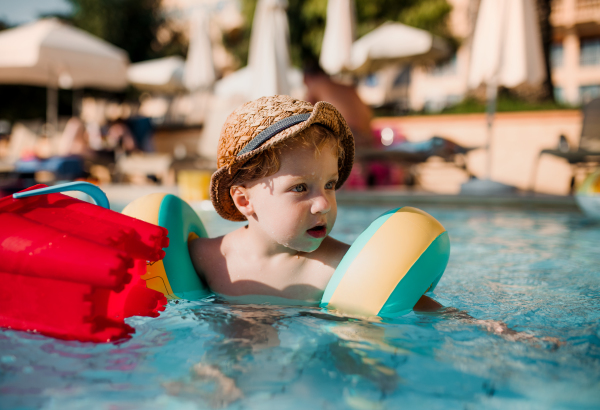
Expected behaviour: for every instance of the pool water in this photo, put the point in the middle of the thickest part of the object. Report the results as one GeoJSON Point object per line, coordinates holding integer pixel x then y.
{"type": "Point", "coordinates": [536, 272]}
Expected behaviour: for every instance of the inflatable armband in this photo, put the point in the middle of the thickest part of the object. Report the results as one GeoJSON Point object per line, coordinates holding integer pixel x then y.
{"type": "Point", "coordinates": [588, 196]}
{"type": "Point", "coordinates": [175, 275]}
{"type": "Point", "coordinates": [397, 259]}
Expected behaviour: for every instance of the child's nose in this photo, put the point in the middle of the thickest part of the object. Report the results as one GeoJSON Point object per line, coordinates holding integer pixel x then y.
{"type": "Point", "coordinates": [320, 205]}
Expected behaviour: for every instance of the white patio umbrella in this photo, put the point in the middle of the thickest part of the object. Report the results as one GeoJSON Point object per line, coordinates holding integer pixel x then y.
{"type": "Point", "coordinates": [199, 66]}
{"type": "Point", "coordinates": [395, 43]}
{"type": "Point", "coordinates": [269, 57]}
{"type": "Point", "coordinates": [507, 45]}
{"type": "Point", "coordinates": [52, 54]}
{"type": "Point", "coordinates": [506, 51]}
{"type": "Point", "coordinates": [339, 36]}
{"type": "Point", "coordinates": [161, 74]}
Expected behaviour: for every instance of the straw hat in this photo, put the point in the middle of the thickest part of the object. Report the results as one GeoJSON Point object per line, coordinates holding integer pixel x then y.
{"type": "Point", "coordinates": [260, 124]}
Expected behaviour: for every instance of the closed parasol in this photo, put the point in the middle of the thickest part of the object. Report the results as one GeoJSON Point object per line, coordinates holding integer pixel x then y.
{"type": "Point", "coordinates": [506, 51]}
{"type": "Point", "coordinates": [269, 56]}
{"type": "Point", "coordinates": [199, 66]}
{"type": "Point", "coordinates": [339, 36]}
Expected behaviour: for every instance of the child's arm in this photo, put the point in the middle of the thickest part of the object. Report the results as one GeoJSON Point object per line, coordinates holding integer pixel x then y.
{"type": "Point", "coordinates": [426, 304]}
{"type": "Point", "coordinates": [497, 327]}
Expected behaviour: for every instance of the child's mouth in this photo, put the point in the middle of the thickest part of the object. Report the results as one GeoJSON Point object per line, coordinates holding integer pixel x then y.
{"type": "Point", "coordinates": [318, 231]}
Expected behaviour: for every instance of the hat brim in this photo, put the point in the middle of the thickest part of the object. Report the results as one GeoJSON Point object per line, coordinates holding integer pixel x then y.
{"type": "Point", "coordinates": [324, 114]}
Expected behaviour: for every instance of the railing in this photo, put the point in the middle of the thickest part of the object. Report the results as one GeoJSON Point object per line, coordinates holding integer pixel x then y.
{"type": "Point", "coordinates": [558, 15]}
{"type": "Point", "coordinates": [583, 4]}
{"type": "Point", "coordinates": [557, 6]}
{"type": "Point", "coordinates": [587, 11]}
{"type": "Point", "coordinates": [572, 12]}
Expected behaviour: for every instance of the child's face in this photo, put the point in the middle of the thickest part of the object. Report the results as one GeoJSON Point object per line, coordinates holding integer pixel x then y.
{"type": "Point", "coordinates": [296, 206]}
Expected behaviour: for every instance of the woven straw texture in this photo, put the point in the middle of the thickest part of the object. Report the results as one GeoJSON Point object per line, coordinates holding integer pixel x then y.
{"type": "Point", "coordinates": [249, 120]}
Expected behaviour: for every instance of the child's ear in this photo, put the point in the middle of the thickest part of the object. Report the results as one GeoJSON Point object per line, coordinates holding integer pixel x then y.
{"type": "Point", "coordinates": [241, 199]}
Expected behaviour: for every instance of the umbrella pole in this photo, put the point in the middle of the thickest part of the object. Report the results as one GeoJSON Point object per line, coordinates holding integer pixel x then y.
{"type": "Point", "coordinates": [52, 108]}
{"type": "Point", "coordinates": [77, 100]}
{"type": "Point", "coordinates": [492, 96]}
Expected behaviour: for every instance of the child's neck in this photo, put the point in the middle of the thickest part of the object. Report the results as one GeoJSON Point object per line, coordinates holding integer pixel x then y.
{"type": "Point", "coordinates": [264, 246]}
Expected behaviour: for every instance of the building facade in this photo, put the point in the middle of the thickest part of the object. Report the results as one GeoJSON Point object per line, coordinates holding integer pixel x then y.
{"type": "Point", "coordinates": [575, 54]}
{"type": "Point", "coordinates": [575, 61]}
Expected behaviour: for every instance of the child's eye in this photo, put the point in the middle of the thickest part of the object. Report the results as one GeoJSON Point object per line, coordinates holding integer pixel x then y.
{"type": "Point", "coordinates": [299, 188]}
{"type": "Point", "coordinates": [330, 185]}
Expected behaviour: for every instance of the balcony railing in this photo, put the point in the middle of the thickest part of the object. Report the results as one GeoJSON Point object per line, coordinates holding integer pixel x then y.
{"type": "Point", "coordinates": [573, 12]}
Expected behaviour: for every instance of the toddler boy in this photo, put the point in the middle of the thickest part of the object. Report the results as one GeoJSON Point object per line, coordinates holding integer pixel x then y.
{"type": "Point", "coordinates": [280, 161]}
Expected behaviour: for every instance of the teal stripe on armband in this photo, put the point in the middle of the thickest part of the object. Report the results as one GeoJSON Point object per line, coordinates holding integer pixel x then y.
{"type": "Point", "coordinates": [426, 271]}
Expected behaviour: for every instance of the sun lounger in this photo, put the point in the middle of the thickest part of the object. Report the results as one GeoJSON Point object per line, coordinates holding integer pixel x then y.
{"type": "Point", "coordinates": [588, 152]}
{"type": "Point", "coordinates": [415, 152]}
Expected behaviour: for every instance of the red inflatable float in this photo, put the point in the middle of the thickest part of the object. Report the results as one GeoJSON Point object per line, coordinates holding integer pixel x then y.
{"type": "Point", "coordinates": [71, 269]}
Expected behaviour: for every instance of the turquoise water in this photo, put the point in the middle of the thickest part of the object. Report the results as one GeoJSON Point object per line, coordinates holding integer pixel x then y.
{"type": "Point", "coordinates": [538, 272]}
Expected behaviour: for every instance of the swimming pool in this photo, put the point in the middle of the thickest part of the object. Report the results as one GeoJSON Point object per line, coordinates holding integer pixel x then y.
{"type": "Point", "coordinates": [539, 272]}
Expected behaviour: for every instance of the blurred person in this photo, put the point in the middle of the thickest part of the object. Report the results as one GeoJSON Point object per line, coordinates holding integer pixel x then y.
{"type": "Point", "coordinates": [320, 87]}
{"type": "Point", "coordinates": [120, 139]}
{"type": "Point", "coordinates": [142, 130]}
{"type": "Point", "coordinates": [74, 139]}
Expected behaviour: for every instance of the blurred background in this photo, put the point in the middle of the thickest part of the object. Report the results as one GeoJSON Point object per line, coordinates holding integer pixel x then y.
{"type": "Point", "coordinates": [445, 97]}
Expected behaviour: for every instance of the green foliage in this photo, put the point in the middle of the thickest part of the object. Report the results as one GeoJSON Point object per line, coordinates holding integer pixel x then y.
{"type": "Point", "coordinates": [307, 23]}
{"type": "Point", "coordinates": [129, 24]}
{"type": "Point", "coordinates": [429, 15]}
{"type": "Point", "coordinates": [238, 42]}
{"type": "Point", "coordinates": [505, 103]}
{"type": "Point", "coordinates": [307, 27]}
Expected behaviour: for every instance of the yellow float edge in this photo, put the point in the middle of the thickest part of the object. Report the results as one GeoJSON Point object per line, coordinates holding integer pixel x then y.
{"type": "Point", "coordinates": [146, 209]}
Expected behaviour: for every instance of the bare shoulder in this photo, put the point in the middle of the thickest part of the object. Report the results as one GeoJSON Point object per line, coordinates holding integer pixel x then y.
{"type": "Point", "coordinates": [206, 255]}
{"type": "Point", "coordinates": [203, 247]}
{"type": "Point", "coordinates": [331, 251]}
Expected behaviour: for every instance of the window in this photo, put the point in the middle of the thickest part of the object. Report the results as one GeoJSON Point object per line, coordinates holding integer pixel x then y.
{"type": "Point", "coordinates": [559, 94]}
{"type": "Point", "coordinates": [556, 55]}
{"type": "Point", "coordinates": [588, 93]}
{"type": "Point", "coordinates": [589, 51]}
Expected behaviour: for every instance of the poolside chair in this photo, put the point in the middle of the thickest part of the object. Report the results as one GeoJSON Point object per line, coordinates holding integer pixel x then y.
{"type": "Point", "coordinates": [588, 152]}
{"type": "Point", "coordinates": [416, 152]}
{"type": "Point", "coordinates": [409, 154]}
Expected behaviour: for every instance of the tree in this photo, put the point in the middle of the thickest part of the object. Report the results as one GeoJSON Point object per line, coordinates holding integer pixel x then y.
{"type": "Point", "coordinates": [132, 25]}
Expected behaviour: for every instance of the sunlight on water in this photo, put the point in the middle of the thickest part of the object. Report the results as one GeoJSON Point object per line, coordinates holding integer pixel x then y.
{"type": "Point", "coordinates": [538, 272]}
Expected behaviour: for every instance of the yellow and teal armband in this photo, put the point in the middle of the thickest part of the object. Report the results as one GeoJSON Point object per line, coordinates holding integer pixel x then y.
{"type": "Point", "coordinates": [397, 259]}
{"type": "Point", "coordinates": [175, 275]}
